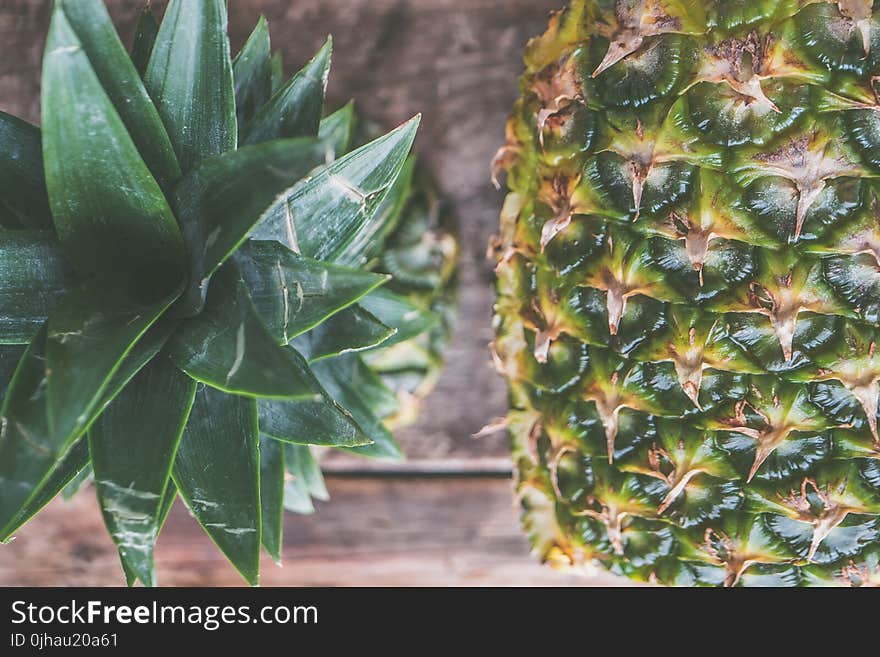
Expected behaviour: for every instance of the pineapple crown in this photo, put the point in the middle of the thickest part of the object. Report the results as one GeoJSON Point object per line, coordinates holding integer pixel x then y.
{"type": "Point", "coordinates": [184, 251]}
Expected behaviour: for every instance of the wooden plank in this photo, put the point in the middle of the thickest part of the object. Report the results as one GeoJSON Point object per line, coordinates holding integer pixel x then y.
{"type": "Point", "coordinates": [399, 531]}
{"type": "Point", "coordinates": [457, 61]}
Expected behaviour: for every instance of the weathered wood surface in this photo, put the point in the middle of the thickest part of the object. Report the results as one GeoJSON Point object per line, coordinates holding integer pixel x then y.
{"type": "Point", "coordinates": [411, 531]}
{"type": "Point", "coordinates": [457, 62]}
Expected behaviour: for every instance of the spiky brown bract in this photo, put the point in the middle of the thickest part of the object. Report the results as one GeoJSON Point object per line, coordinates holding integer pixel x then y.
{"type": "Point", "coordinates": [689, 288]}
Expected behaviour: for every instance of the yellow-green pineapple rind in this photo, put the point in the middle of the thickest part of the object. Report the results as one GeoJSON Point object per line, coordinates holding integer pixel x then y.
{"type": "Point", "coordinates": [689, 290]}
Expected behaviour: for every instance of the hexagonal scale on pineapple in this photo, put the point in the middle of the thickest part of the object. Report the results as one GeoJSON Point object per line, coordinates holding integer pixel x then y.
{"type": "Point", "coordinates": [740, 62]}
{"type": "Point", "coordinates": [636, 20]}
{"type": "Point", "coordinates": [807, 161]}
{"type": "Point", "coordinates": [859, 11]}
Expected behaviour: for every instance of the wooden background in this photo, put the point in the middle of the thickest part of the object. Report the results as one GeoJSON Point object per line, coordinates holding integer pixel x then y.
{"type": "Point", "coordinates": [446, 516]}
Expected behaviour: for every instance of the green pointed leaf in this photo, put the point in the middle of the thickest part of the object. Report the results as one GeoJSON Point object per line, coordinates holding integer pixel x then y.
{"type": "Point", "coordinates": [338, 129]}
{"type": "Point", "coordinates": [331, 212]}
{"type": "Point", "coordinates": [76, 484]}
{"type": "Point", "coordinates": [398, 312]}
{"type": "Point", "coordinates": [74, 462]}
{"type": "Point", "coordinates": [28, 450]}
{"type": "Point", "coordinates": [123, 85]}
{"type": "Point", "coordinates": [130, 576]}
{"type": "Point", "coordinates": [137, 358]}
{"type": "Point", "coordinates": [110, 213]}
{"type": "Point", "coordinates": [295, 109]}
{"type": "Point", "coordinates": [8, 220]}
{"type": "Point", "coordinates": [144, 39]}
{"type": "Point", "coordinates": [223, 491]}
{"type": "Point", "coordinates": [227, 347]}
{"type": "Point", "coordinates": [220, 202]}
{"type": "Point", "coordinates": [277, 65]}
{"type": "Point", "coordinates": [301, 462]}
{"type": "Point", "coordinates": [89, 335]}
{"type": "Point", "coordinates": [304, 483]}
{"type": "Point", "coordinates": [69, 470]}
{"type": "Point", "coordinates": [388, 216]}
{"type": "Point", "coordinates": [33, 465]}
{"type": "Point", "coordinates": [362, 393]}
{"type": "Point", "coordinates": [190, 79]}
{"type": "Point", "coordinates": [252, 72]}
{"type": "Point", "coordinates": [353, 329]}
{"type": "Point", "coordinates": [34, 277]}
{"type": "Point", "coordinates": [293, 294]}
{"type": "Point", "coordinates": [9, 357]}
{"type": "Point", "coordinates": [297, 498]}
{"type": "Point", "coordinates": [132, 446]}
{"type": "Point", "coordinates": [272, 495]}
{"type": "Point", "coordinates": [165, 506]}
{"type": "Point", "coordinates": [23, 193]}
{"type": "Point", "coordinates": [322, 422]}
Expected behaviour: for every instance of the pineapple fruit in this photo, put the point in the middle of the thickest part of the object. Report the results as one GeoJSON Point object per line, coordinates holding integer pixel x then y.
{"type": "Point", "coordinates": [689, 291]}
{"type": "Point", "coordinates": [192, 280]}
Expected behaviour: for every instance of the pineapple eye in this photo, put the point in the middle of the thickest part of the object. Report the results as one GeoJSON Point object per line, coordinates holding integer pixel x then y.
{"type": "Point", "coordinates": [155, 281]}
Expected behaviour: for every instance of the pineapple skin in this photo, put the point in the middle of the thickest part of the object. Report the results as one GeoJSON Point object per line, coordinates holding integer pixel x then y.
{"type": "Point", "coordinates": [688, 277]}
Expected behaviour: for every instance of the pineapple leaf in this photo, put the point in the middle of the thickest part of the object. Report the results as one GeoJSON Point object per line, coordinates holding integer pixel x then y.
{"type": "Point", "coordinates": [333, 209]}
{"type": "Point", "coordinates": [76, 484]}
{"type": "Point", "coordinates": [130, 576]}
{"type": "Point", "coordinates": [338, 129]}
{"type": "Point", "coordinates": [229, 348]}
{"type": "Point", "coordinates": [305, 482]}
{"type": "Point", "coordinates": [300, 462]}
{"type": "Point", "coordinates": [252, 72]}
{"type": "Point", "coordinates": [89, 334]}
{"type": "Point", "coordinates": [23, 193]}
{"type": "Point", "coordinates": [295, 109]}
{"type": "Point", "coordinates": [33, 278]}
{"type": "Point", "coordinates": [297, 498]}
{"type": "Point", "coordinates": [7, 219]}
{"type": "Point", "coordinates": [67, 470]}
{"type": "Point", "coordinates": [272, 495]}
{"type": "Point", "coordinates": [167, 502]}
{"type": "Point", "coordinates": [293, 294]}
{"type": "Point", "coordinates": [57, 476]}
{"type": "Point", "coordinates": [322, 422]}
{"type": "Point", "coordinates": [353, 329]}
{"type": "Point", "coordinates": [123, 85]}
{"type": "Point", "coordinates": [223, 492]}
{"type": "Point", "coordinates": [110, 213]}
{"type": "Point", "coordinates": [387, 217]}
{"type": "Point", "coordinates": [144, 39]}
{"type": "Point", "coordinates": [220, 202]}
{"type": "Point", "coordinates": [190, 79]}
{"type": "Point", "coordinates": [9, 357]}
{"type": "Point", "coordinates": [277, 65]}
{"type": "Point", "coordinates": [357, 388]}
{"type": "Point", "coordinates": [399, 313]}
{"type": "Point", "coordinates": [28, 450]}
{"type": "Point", "coordinates": [132, 446]}
{"type": "Point", "coordinates": [47, 469]}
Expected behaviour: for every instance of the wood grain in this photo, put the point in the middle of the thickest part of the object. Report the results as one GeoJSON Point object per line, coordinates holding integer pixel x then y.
{"type": "Point", "coordinates": [399, 531]}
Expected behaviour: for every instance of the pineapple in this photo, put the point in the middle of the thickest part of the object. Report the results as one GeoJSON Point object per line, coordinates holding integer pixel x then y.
{"type": "Point", "coordinates": [689, 291]}
{"type": "Point", "coordinates": [192, 282]}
